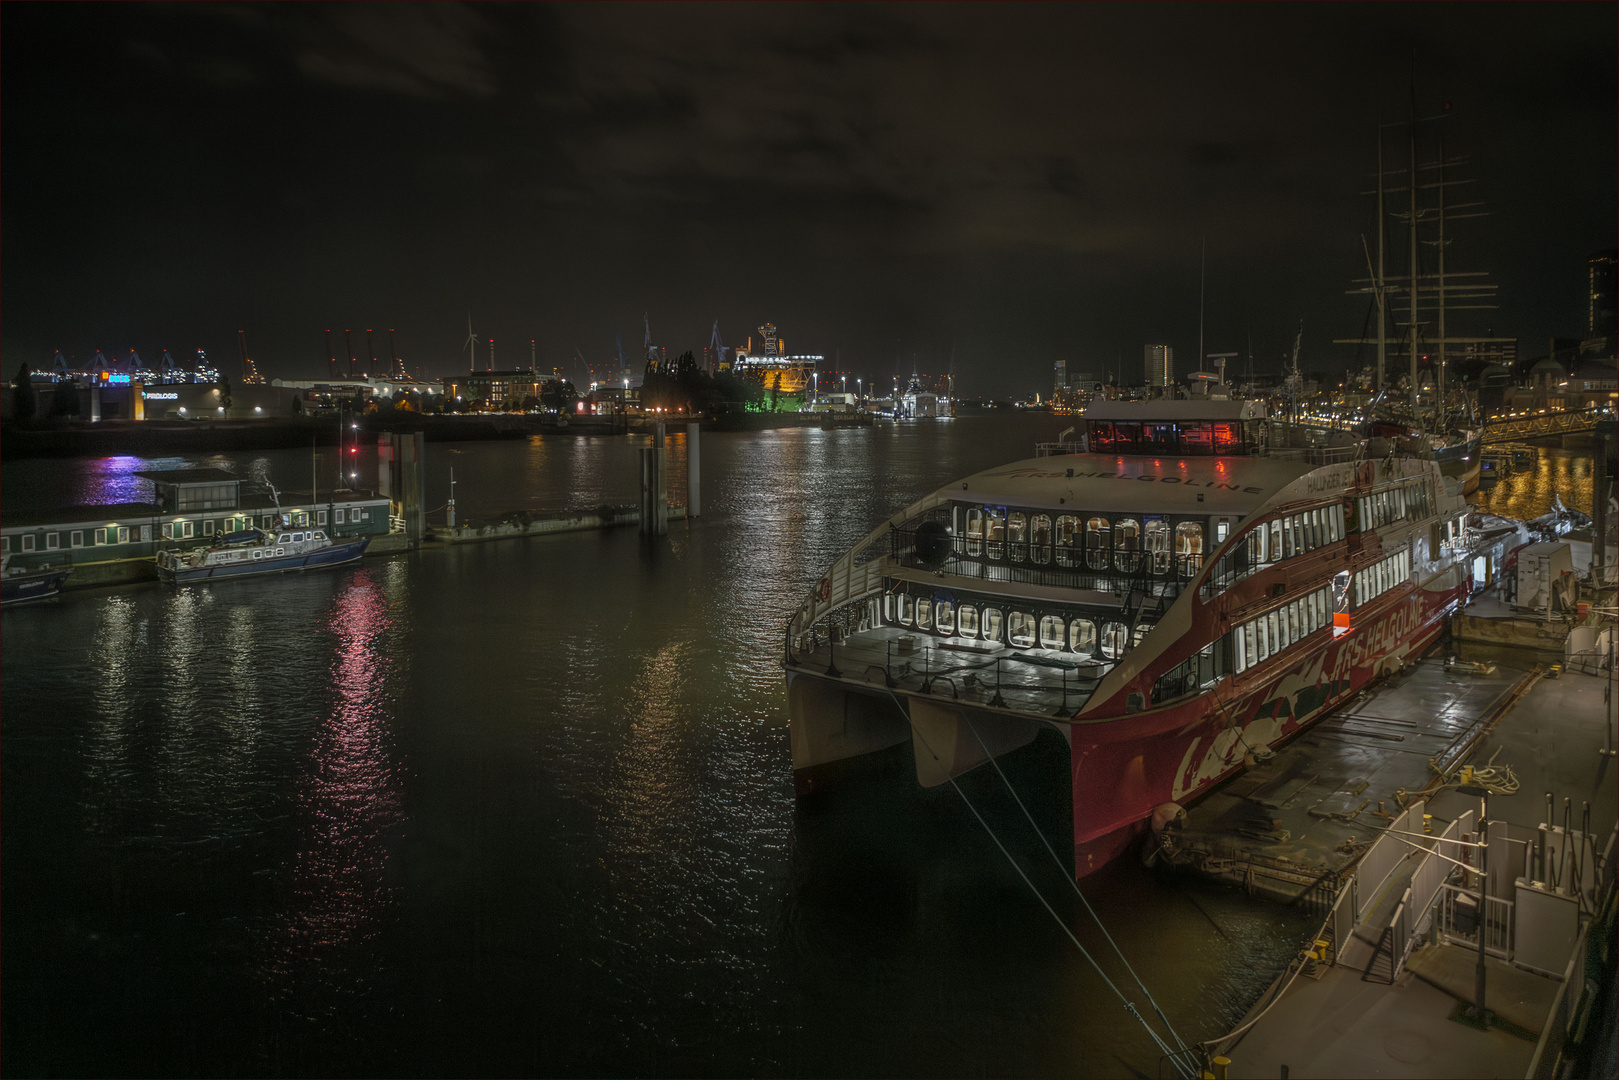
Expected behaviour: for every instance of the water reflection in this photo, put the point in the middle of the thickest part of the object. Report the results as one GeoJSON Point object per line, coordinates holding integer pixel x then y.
{"type": "Point", "coordinates": [1526, 492]}
{"type": "Point", "coordinates": [348, 797]}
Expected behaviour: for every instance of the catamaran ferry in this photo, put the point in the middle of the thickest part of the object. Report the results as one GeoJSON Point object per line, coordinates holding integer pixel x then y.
{"type": "Point", "coordinates": [1173, 595]}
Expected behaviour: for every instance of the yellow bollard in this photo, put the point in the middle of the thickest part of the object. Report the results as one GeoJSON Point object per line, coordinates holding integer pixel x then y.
{"type": "Point", "coordinates": [1427, 824]}
{"type": "Point", "coordinates": [1220, 1064]}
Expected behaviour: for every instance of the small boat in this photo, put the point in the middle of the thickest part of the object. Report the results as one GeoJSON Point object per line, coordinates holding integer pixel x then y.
{"type": "Point", "coordinates": [26, 586]}
{"type": "Point", "coordinates": [259, 551]}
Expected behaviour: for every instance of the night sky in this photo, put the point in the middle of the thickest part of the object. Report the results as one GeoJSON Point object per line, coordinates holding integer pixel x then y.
{"type": "Point", "coordinates": [889, 185]}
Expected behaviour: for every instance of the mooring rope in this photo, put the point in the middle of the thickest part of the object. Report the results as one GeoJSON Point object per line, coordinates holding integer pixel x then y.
{"type": "Point", "coordinates": [1130, 1007]}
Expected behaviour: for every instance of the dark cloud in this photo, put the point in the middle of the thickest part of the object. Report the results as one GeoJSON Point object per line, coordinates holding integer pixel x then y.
{"type": "Point", "coordinates": [1016, 182]}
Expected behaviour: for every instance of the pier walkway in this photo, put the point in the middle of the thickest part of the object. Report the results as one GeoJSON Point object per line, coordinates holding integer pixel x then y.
{"type": "Point", "coordinates": [1352, 1021]}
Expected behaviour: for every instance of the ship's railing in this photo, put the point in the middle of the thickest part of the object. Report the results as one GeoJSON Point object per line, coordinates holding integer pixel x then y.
{"type": "Point", "coordinates": [1057, 449]}
{"type": "Point", "coordinates": [1315, 455]}
{"type": "Point", "coordinates": [1156, 573]}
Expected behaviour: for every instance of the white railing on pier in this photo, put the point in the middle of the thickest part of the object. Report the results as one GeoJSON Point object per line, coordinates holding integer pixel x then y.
{"type": "Point", "coordinates": [1381, 859]}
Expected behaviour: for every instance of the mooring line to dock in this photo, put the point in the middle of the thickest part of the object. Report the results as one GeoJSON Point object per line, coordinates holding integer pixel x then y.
{"type": "Point", "coordinates": [1130, 1007]}
{"type": "Point", "coordinates": [1071, 881]}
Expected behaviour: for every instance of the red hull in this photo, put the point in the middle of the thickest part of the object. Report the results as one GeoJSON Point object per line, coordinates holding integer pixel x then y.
{"type": "Point", "coordinates": [1126, 766]}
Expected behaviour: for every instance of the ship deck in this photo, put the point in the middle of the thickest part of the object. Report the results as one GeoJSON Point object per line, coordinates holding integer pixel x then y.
{"type": "Point", "coordinates": [1038, 681]}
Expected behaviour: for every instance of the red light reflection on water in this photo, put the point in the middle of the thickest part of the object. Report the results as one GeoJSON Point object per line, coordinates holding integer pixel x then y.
{"type": "Point", "coordinates": [349, 799]}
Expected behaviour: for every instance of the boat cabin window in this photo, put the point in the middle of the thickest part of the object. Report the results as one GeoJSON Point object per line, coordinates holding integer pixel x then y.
{"type": "Point", "coordinates": [924, 615]}
{"type": "Point", "coordinates": [944, 617]}
{"type": "Point", "coordinates": [1098, 542]}
{"type": "Point", "coordinates": [1017, 535]}
{"type": "Point", "coordinates": [1082, 637]}
{"type": "Point", "coordinates": [1068, 553]}
{"type": "Point", "coordinates": [1127, 544]}
{"type": "Point", "coordinates": [1189, 547]}
{"type": "Point", "coordinates": [1020, 629]}
{"type": "Point", "coordinates": [975, 531]}
{"type": "Point", "coordinates": [907, 609]}
{"type": "Point", "coordinates": [995, 532]}
{"type": "Point", "coordinates": [968, 618]}
{"type": "Point", "coordinates": [1051, 632]}
{"type": "Point", "coordinates": [1115, 637]}
{"type": "Point", "coordinates": [1040, 539]}
{"type": "Point", "coordinates": [992, 624]}
{"type": "Point", "coordinates": [1158, 544]}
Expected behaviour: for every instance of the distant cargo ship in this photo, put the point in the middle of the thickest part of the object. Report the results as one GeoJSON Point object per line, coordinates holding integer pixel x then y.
{"type": "Point", "coordinates": [784, 378]}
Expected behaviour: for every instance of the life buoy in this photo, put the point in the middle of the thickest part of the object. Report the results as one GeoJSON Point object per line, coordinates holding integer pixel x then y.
{"type": "Point", "coordinates": [823, 591]}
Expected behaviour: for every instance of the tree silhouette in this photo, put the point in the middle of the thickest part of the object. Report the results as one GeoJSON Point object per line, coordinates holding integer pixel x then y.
{"type": "Point", "coordinates": [23, 401]}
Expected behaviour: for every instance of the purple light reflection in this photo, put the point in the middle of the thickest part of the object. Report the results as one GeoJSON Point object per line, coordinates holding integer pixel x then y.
{"type": "Point", "coordinates": [349, 798]}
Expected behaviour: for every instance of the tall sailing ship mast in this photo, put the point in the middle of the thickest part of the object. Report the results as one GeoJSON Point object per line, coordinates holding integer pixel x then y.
{"type": "Point", "coordinates": [1427, 292]}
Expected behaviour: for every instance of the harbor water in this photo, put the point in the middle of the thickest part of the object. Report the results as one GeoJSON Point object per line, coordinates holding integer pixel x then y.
{"type": "Point", "coordinates": [526, 807]}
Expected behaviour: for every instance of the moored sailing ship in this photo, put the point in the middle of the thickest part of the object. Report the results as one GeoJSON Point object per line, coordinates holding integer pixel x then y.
{"type": "Point", "coordinates": [1173, 599]}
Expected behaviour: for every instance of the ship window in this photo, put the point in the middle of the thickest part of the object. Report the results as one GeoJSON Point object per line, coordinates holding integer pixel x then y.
{"type": "Point", "coordinates": [1017, 535]}
{"type": "Point", "coordinates": [1276, 549]}
{"type": "Point", "coordinates": [992, 624]}
{"type": "Point", "coordinates": [1020, 629]}
{"type": "Point", "coordinates": [1158, 438]}
{"type": "Point", "coordinates": [1239, 650]}
{"type": "Point", "coordinates": [1278, 639]}
{"type": "Point", "coordinates": [1068, 540]}
{"type": "Point", "coordinates": [1040, 539]}
{"type": "Point", "coordinates": [968, 618]}
{"type": "Point", "coordinates": [994, 532]}
{"type": "Point", "coordinates": [1312, 614]}
{"type": "Point", "coordinates": [1288, 550]}
{"type": "Point", "coordinates": [1158, 544]}
{"type": "Point", "coordinates": [944, 617]}
{"type": "Point", "coordinates": [1115, 635]}
{"type": "Point", "coordinates": [924, 615]}
{"type": "Point", "coordinates": [1098, 539]}
{"type": "Point", "coordinates": [28, 542]}
{"type": "Point", "coordinates": [319, 535]}
{"type": "Point", "coordinates": [1082, 636]}
{"type": "Point", "coordinates": [1250, 642]}
{"type": "Point", "coordinates": [339, 514]}
{"type": "Point", "coordinates": [907, 608]}
{"type": "Point", "coordinates": [1189, 547]}
{"type": "Point", "coordinates": [1101, 436]}
{"type": "Point", "coordinates": [1221, 531]}
{"type": "Point", "coordinates": [975, 531]}
{"type": "Point", "coordinates": [1208, 667]}
{"type": "Point", "coordinates": [1197, 440]}
{"type": "Point", "coordinates": [1126, 438]}
{"type": "Point", "coordinates": [1264, 639]}
{"type": "Point", "coordinates": [1051, 632]}
{"type": "Point", "coordinates": [1127, 544]}
{"type": "Point", "coordinates": [77, 539]}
